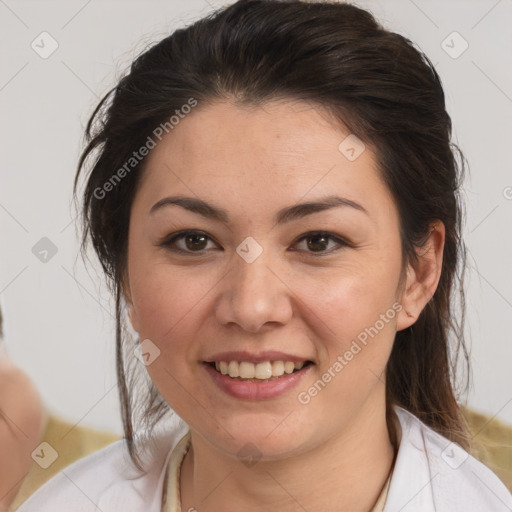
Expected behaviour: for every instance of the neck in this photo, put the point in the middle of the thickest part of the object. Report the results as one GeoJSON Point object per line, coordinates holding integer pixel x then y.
{"type": "Point", "coordinates": [349, 470]}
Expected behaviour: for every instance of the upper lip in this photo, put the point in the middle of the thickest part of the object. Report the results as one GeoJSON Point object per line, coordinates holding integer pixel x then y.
{"type": "Point", "coordinates": [260, 357]}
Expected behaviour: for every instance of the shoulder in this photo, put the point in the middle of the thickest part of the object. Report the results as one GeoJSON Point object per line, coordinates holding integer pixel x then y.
{"type": "Point", "coordinates": [75, 441]}
{"type": "Point", "coordinates": [63, 444]}
{"type": "Point", "coordinates": [108, 480]}
{"type": "Point", "coordinates": [432, 473]}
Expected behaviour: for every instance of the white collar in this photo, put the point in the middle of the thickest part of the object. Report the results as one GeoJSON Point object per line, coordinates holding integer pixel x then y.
{"type": "Point", "coordinates": [424, 478]}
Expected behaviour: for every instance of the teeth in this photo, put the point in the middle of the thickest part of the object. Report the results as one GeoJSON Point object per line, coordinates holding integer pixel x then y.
{"type": "Point", "coordinates": [233, 369]}
{"type": "Point", "coordinates": [247, 370]}
{"type": "Point", "coordinates": [261, 371]}
{"type": "Point", "coordinates": [277, 368]}
{"type": "Point", "coordinates": [289, 366]}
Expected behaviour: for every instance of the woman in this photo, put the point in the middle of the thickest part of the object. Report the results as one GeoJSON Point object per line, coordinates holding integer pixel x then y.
{"type": "Point", "coordinates": [274, 198]}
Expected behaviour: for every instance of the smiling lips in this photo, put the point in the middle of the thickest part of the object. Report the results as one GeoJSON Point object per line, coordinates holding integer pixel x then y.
{"type": "Point", "coordinates": [249, 376]}
{"type": "Point", "coordinates": [261, 371]}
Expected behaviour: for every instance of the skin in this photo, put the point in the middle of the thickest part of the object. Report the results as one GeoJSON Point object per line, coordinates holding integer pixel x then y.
{"type": "Point", "coordinates": [333, 453]}
{"type": "Point", "coordinates": [21, 427]}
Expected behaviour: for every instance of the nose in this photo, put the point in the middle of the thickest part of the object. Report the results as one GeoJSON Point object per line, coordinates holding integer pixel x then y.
{"type": "Point", "coordinates": [254, 296]}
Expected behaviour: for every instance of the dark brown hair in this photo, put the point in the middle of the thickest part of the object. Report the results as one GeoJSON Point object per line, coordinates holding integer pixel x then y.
{"type": "Point", "coordinates": [376, 83]}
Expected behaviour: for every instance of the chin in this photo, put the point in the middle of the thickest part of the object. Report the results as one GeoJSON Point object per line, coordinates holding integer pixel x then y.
{"type": "Point", "coordinates": [262, 438]}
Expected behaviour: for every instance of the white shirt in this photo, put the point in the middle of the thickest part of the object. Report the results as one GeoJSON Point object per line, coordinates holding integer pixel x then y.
{"type": "Point", "coordinates": [430, 474]}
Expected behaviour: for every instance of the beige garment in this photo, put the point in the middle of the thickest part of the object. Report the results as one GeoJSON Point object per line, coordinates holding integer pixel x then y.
{"type": "Point", "coordinates": [172, 499]}
{"type": "Point", "coordinates": [381, 500]}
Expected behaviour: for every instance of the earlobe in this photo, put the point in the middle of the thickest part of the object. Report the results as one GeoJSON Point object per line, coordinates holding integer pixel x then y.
{"type": "Point", "coordinates": [423, 276]}
{"type": "Point", "coordinates": [407, 315]}
{"type": "Point", "coordinates": [132, 315]}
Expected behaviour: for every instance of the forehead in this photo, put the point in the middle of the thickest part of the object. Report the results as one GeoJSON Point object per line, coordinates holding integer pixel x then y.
{"type": "Point", "coordinates": [279, 151]}
{"type": "Point", "coordinates": [279, 131]}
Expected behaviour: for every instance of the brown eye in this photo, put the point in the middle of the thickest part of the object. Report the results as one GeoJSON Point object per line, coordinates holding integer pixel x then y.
{"type": "Point", "coordinates": [188, 242]}
{"type": "Point", "coordinates": [195, 242]}
{"type": "Point", "coordinates": [318, 243]}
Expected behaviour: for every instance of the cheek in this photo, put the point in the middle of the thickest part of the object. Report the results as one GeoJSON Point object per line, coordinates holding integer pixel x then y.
{"type": "Point", "coordinates": [169, 305]}
{"type": "Point", "coordinates": [353, 322]}
{"type": "Point", "coordinates": [353, 317]}
{"type": "Point", "coordinates": [163, 297]}
{"type": "Point", "coordinates": [344, 304]}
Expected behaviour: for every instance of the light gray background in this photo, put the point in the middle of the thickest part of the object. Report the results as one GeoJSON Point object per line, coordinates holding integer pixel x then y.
{"type": "Point", "coordinates": [57, 314]}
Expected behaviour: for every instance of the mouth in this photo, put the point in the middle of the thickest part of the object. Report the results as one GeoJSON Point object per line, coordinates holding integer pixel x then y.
{"type": "Point", "coordinates": [265, 371]}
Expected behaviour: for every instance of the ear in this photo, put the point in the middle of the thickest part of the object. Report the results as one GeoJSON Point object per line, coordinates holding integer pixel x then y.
{"type": "Point", "coordinates": [422, 277]}
{"type": "Point", "coordinates": [127, 293]}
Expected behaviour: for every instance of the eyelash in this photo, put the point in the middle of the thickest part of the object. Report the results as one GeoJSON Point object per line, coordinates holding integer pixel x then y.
{"type": "Point", "coordinates": [171, 239]}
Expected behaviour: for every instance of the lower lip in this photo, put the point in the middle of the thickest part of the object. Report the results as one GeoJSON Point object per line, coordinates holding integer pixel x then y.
{"type": "Point", "coordinates": [256, 390]}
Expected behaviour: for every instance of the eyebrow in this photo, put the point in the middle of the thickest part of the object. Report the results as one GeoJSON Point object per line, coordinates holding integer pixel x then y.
{"type": "Point", "coordinates": [283, 216]}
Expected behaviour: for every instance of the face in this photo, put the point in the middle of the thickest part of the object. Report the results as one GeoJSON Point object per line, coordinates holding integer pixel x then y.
{"type": "Point", "coordinates": [254, 282]}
